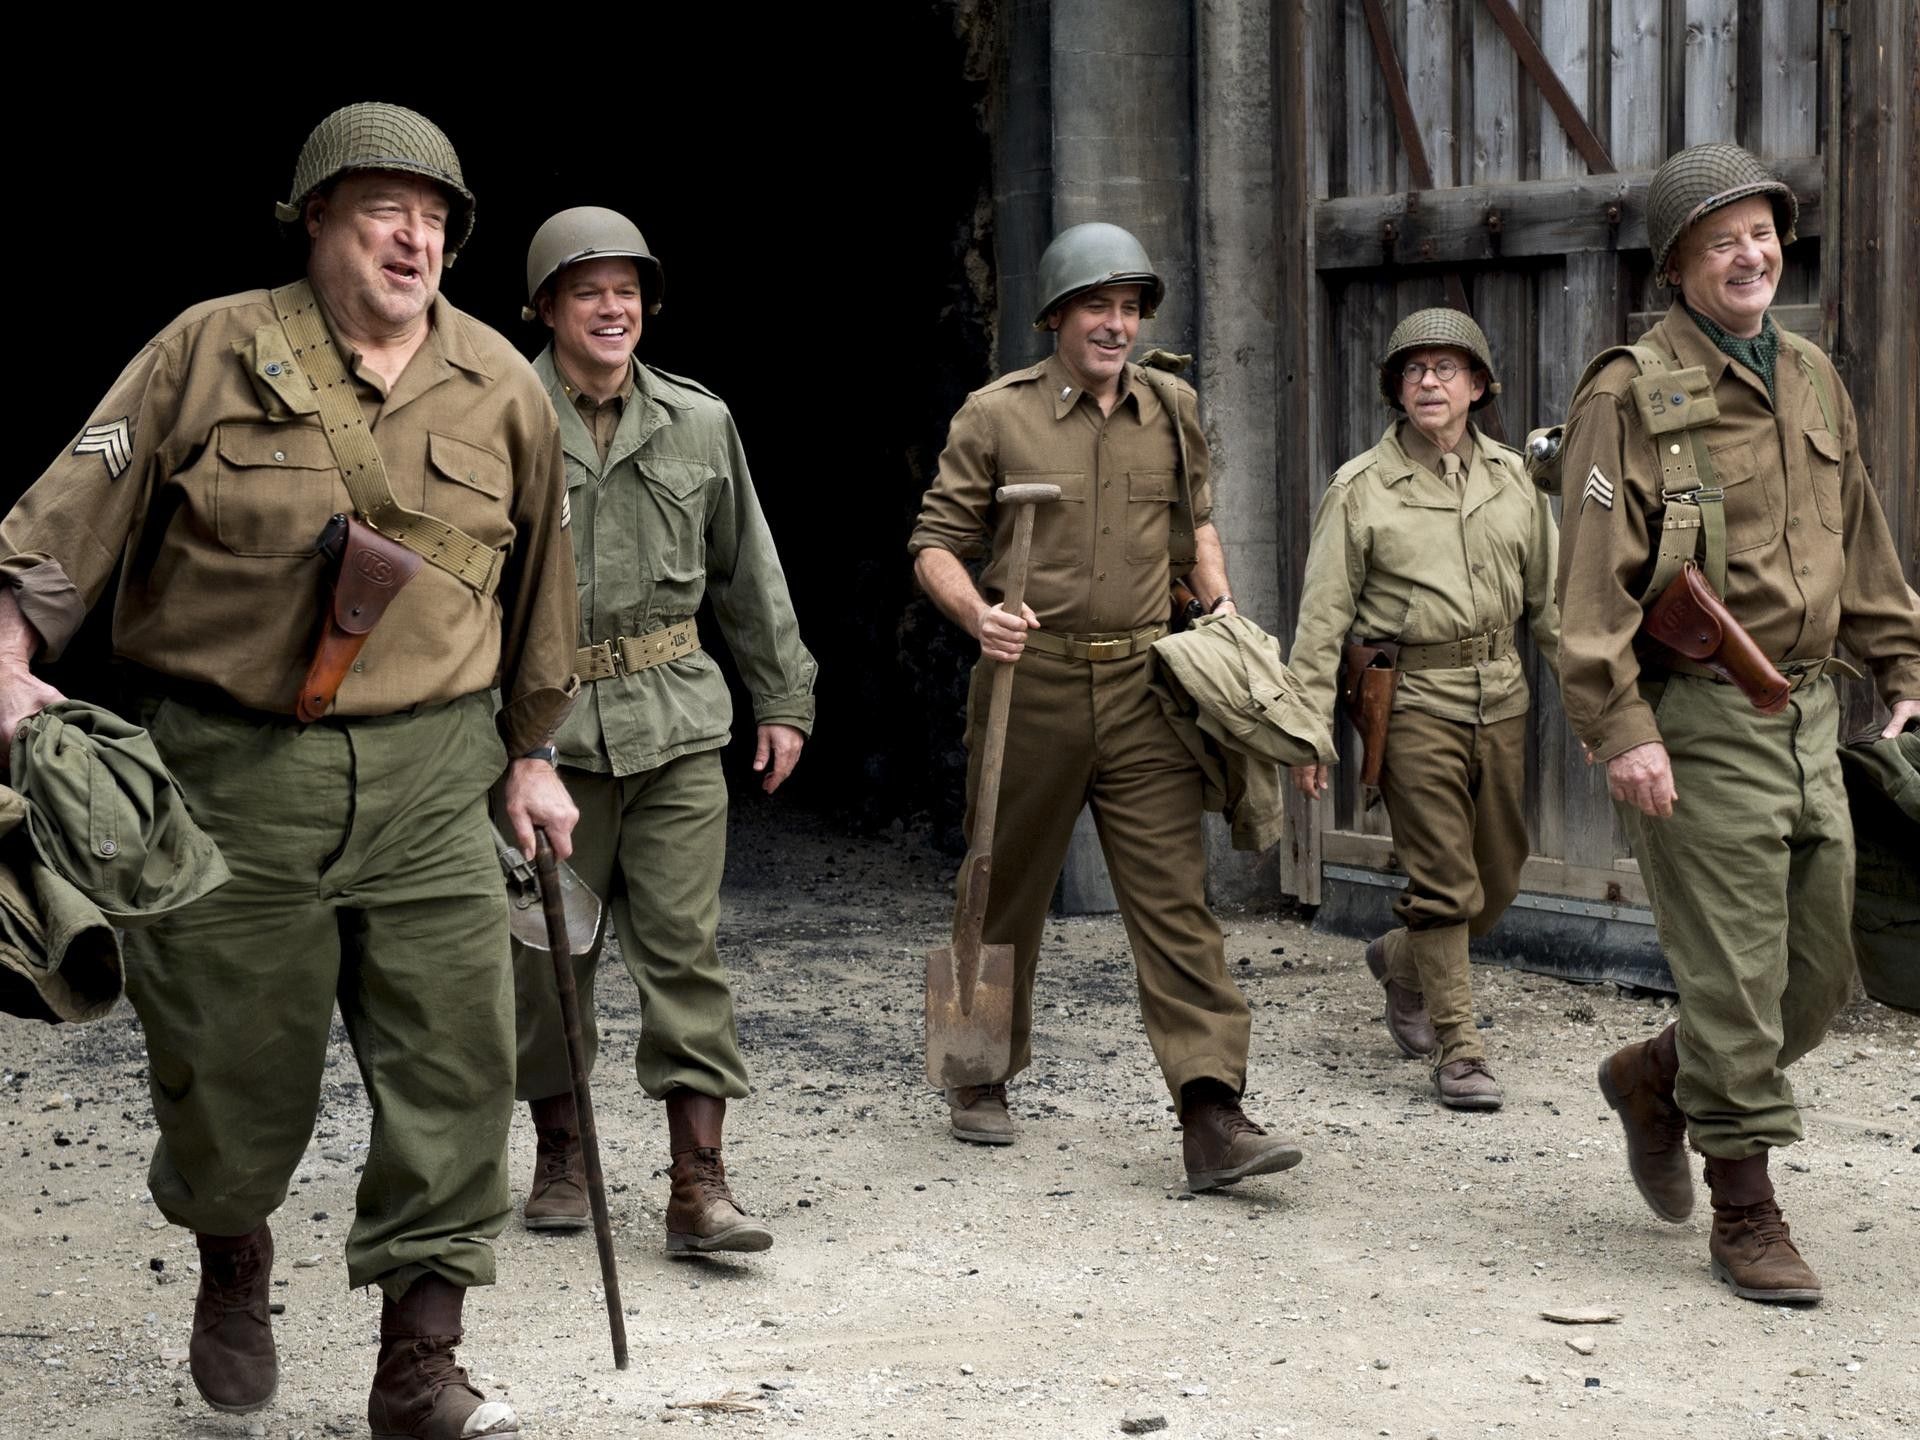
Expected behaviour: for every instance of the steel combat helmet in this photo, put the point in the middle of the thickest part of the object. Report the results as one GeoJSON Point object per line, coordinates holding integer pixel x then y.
{"type": "Point", "coordinates": [1439, 326]}
{"type": "Point", "coordinates": [1702, 178]}
{"type": "Point", "coordinates": [376, 136]}
{"type": "Point", "coordinates": [589, 232]}
{"type": "Point", "coordinates": [1085, 257]}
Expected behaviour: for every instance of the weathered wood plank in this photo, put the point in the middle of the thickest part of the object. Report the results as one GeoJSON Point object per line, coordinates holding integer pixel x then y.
{"type": "Point", "coordinates": [1370, 147]}
{"type": "Point", "coordinates": [1535, 217]}
{"type": "Point", "coordinates": [1427, 57]}
{"type": "Point", "coordinates": [1564, 27]}
{"type": "Point", "coordinates": [1489, 94]}
{"type": "Point", "coordinates": [1789, 89]}
{"type": "Point", "coordinates": [1637, 73]}
{"type": "Point", "coordinates": [1712, 57]}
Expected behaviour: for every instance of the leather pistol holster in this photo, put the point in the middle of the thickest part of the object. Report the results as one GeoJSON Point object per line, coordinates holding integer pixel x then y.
{"type": "Point", "coordinates": [1691, 620]}
{"type": "Point", "coordinates": [1368, 678]}
{"type": "Point", "coordinates": [372, 570]}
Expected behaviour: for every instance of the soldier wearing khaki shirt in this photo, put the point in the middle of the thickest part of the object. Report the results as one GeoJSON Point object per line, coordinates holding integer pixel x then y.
{"type": "Point", "coordinates": [363, 871]}
{"type": "Point", "coordinates": [664, 515]}
{"type": "Point", "coordinates": [1436, 539]}
{"type": "Point", "coordinates": [1124, 445]}
{"type": "Point", "coordinates": [1739, 820]}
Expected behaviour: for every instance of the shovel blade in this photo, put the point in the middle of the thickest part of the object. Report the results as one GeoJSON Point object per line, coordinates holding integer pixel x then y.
{"type": "Point", "coordinates": [969, 1025]}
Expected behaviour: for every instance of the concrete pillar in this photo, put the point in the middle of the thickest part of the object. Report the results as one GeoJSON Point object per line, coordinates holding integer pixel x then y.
{"type": "Point", "coordinates": [1237, 290]}
{"type": "Point", "coordinates": [1122, 99]}
{"type": "Point", "coordinates": [1022, 177]}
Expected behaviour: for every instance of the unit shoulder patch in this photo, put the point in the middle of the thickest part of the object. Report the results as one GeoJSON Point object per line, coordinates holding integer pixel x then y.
{"type": "Point", "coordinates": [112, 442]}
{"type": "Point", "coordinates": [1598, 489]}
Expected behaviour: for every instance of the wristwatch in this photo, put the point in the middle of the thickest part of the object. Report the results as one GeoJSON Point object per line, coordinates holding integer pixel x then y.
{"type": "Point", "coordinates": [548, 753]}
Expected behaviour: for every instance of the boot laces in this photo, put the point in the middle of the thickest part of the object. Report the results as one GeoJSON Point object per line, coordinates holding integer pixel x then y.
{"type": "Point", "coordinates": [231, 1290]}
{"type": "Point", "coordinates": [710, 1173]}
{"type": "Point", "coordinates": [552, 1167]}
{"type": "Point", "coordinates": [1767, 1224]}
{"type": "Point", "coordinates": [433, 1359]}
{"type": "Point", "coordinates": [1234, 1122]}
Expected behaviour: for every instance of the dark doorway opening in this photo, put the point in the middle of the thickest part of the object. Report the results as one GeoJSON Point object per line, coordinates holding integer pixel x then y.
{"type": "Point", "coordinates": [817, 199]}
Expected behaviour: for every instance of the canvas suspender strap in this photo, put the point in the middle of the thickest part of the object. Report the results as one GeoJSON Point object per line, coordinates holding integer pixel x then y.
{"type": "Point", "coordinates": [1674, 407]}
{"type": "Point", "coordinates": [434, 540]}
{"type": "Point", "coordinates": [1182, 550]}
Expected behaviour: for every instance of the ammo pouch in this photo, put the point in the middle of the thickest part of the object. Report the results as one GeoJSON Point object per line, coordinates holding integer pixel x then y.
{"type": "Point", "coordinates": [372, 570]}
{"type": "Point", "coordinates": [1368, 679]}
{"type": "Point", "coordinates": [1690, 619]}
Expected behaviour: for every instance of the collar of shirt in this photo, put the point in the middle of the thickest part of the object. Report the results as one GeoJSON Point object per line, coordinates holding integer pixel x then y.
{"type": "Point", "coordinates": [1691, 345]}
{"type": "Point", "coordinates": [586, 404]}
{"type": "Point", "coordinates": [1066, 394]}
{"type": "Point", "coordinates": [1423, 452]}
{"type": "Point", "coordinates": [1758, 354]}
{"type": "Point", "coordinates": [446, 347]}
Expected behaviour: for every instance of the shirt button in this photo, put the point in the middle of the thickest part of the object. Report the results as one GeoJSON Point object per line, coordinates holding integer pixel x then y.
{"type": "Point", "coordinates": [279, 454]}
{"type": "Point", "coordinates": [1106, 529]}
{"type": "Point", "coordinates": [1806, 569]}
{"type": "Point", "coordinates": [1101, 576]}
{"type": "Point", "coordinates": [1794, 521]}
{"type": "Point", "coordinates": [109, 848]}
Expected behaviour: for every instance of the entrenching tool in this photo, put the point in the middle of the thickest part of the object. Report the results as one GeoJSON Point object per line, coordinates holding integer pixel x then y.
{"type": "Point", "coordinates": [526, 916]}
{"type": "Point", "coordinates": [553, 903]}
{"type": "Point", "coordinates": [970, 985]}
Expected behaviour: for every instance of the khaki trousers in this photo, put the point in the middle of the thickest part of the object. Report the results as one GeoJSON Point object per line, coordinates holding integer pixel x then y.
{"type": "Point", "coordinates": [1455, 793]}
{"type": "Point", "coordinates": [1082, 732]}
{"type": "Point", "coordinates": [363, 876]}
{"type": "Point", "coordinates": [652, 846]}
{"type": "Point", "coordinates": [1752, 886]}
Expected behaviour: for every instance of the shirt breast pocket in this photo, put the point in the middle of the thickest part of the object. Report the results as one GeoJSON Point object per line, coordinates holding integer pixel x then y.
{"type": "Point", "coordinates": [677, 489]}
{"type": "Point", "coordinates": [274, 489]}
{"type": "Point", "coordinates": [1824, 459]}
{"type": "Point", "coordinates": [1058, 525]}
{"type": "Point", "coordinates": [1748, 507]}
{"type": "Point", "coordinates": [470, 487]}
{"type": "Point", "coordinates": [1150, 497]}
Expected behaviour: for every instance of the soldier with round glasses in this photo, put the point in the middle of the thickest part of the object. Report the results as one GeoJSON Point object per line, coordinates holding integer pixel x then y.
{"type": "Point", "coordinates": [1435, 540]}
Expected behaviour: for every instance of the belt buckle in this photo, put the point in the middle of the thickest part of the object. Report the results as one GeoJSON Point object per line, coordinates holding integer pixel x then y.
{"type": "Point", "coordinates": [1108, 649]}
{"type": "Point", "coordinates": [617, 654]}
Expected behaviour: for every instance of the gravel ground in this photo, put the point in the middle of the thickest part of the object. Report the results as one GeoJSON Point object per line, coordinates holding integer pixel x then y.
{"type": "Point", "coordinates": [1392, 1285]}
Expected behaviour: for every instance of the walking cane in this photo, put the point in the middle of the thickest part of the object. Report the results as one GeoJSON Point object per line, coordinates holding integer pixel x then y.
{"type": "Point", "coordinates": [561, 948]}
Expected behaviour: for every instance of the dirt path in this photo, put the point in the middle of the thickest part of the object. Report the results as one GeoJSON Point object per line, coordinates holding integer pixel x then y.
{"type": "Point", "coordinates": [1391, 1285]}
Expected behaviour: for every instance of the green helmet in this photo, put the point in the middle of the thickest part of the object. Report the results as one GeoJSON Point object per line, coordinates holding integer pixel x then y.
{"type": "Point", "coordinates": [589, 232]}
{"type": "Point", "coordinates": [1700, 179]}
{"type": "Point", "coordinates": [1085, 257]}
{"type": "Point", "coordinates": [1439, 326]}
{"type": "Point", "coordinates": [374, 136]}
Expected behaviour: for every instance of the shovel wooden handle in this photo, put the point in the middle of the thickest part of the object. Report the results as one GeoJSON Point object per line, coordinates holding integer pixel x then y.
{"type": "Point", "coordinates": [986, 801]}
{"type": "Point", "coordinates": [548, 871]}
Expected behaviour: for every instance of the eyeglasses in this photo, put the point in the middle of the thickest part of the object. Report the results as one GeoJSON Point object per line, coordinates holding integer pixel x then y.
{"type": "Point", "coordinates": [1413, 372]}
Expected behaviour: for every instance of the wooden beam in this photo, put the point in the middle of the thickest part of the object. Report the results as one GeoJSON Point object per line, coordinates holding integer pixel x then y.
{"type": "Point", "coordinates": [1516, 218]}
{"type": "Point", "coordinates": [1541, 875]}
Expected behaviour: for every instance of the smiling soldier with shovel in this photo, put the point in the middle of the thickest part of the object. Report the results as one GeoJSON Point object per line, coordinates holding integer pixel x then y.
{"type": "Point", "coordinates": [1114, 456]}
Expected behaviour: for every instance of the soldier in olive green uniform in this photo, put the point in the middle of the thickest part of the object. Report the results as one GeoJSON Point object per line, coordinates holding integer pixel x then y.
{"type": "Point", "coordinates": [1436, 539]}
{"type": "Point", "coordinates": [363, 870]}
{"type": "Point", "coordinates": [1739, 820]}
{"type": "Point", "coordinates": [1124, 444]}
{"type": "Point", "coordinates": [663, 512]}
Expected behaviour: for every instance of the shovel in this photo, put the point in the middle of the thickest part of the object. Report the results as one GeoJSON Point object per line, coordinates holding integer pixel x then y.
{"type": "Point", "coordinates": [970, 985]}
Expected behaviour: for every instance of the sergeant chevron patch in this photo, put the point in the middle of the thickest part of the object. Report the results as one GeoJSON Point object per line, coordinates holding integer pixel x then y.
{"type": "Point", "coordinates": [112, 442]}
{"type": "Point", "coordinates": [566, 509]}
{"type": "Point", "coordinates": [1599, 489]}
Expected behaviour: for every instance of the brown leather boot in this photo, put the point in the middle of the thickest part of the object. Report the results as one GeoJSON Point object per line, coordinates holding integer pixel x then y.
{"type": "Point", "coordinates": [231, 1355]}
{"type": "Point", "coordinates": [1467, 1084]}
{"type": "Point", "coordinates": [978, 1114]}
{"type": "Point", "coordinates": [1637, 1081]}
{"type": "Point", "coordinates": [557, 1199]}
{"type": "Point", "coordinates": [1752, 1251]}
{"type": "Point", "coordinates": [1406, 1013]}
{"type": "Point", "coordinates": [419, 1392]}
{"type": "Point", "coordinates": [702, 1215]}
{"type": "Point", "coordinates": [1220, 1145]}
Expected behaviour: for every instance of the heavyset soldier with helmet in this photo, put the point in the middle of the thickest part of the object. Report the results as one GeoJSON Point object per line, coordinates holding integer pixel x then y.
{"type": "Point", "coordinates": [1427, 550]}
{"type": "Point", "coordinates": [663, 515]}
{"type": "Point", "coordinates": [1123, 443]}
{"type": "Point", "coordinates": [345, 779]}
{"type": "Point", "coordinates": [1726, 459]}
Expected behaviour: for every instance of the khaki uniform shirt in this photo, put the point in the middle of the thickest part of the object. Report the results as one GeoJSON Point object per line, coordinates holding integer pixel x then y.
{"type": "Point", "coordinates": [1399, 552]}
{"type": "Point", "coordinates": [667, 516]}
{"type": "Point", "coordinates": [213, 485]}
{"type": "Point", "coordinates": [1099, 562]}
{"type": "Point", "coordinates": [1810, 563]}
